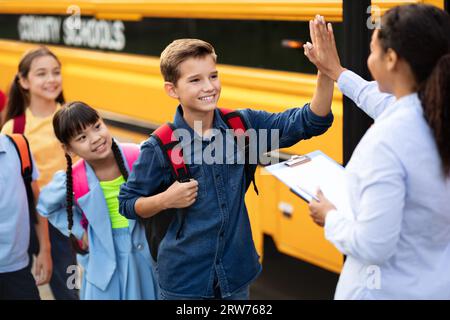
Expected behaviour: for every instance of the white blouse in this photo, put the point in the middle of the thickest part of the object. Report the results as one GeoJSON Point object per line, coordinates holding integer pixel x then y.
{"type": "Point", "coordinates": [397, 239]}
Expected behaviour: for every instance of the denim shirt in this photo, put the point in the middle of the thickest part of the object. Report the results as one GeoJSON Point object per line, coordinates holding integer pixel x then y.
{"type": "Point", "coordinates": [216, 242]}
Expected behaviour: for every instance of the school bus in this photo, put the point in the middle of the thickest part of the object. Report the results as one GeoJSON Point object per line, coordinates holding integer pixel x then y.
{"type": "Point", "coordinates": [109, 51]}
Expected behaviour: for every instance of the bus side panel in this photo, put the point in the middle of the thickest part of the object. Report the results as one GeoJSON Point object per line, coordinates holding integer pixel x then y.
{"type": "Point", "coordinates": [132, 86]}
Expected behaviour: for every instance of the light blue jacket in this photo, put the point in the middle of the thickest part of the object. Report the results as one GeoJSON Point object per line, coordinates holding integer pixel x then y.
{"type": "Point", "coordinates": [100, 263]}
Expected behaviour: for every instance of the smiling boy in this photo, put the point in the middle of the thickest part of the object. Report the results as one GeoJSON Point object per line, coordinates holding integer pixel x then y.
{"type": "Point", "coordinates": [213, 257]}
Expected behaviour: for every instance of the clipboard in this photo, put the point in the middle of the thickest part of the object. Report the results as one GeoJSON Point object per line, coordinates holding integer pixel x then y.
{"type": "Point", "coordinates": [306, 173]}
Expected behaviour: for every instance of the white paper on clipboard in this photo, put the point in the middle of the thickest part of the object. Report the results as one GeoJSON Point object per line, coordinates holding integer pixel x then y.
{"type": "Point", "coordinates": [320, 172]}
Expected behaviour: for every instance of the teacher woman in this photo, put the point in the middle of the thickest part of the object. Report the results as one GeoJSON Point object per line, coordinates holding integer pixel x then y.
{"type": "Point", "coordinates": [397, 237]}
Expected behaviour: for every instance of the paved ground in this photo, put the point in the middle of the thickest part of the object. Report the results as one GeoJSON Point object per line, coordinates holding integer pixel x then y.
{"type": "Point", "coordinates": [46, 293]}
{"type": "Point", "coordinates": [282, 278]}
{"type": "Point", "coordinates": [286, 278]}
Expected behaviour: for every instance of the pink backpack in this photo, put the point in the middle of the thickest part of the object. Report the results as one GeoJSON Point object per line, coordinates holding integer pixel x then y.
{"type": "Point", "coordinates": [79, 177]}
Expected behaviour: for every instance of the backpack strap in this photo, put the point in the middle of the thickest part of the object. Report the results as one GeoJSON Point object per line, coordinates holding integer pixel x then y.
{"type": "Point", "coordinates": [131, 152]}
{"type": "Point", "coordinates": [23, 151]}
{"type": "Point", "coordinates": [80, 185]}
{"type": "Point", "coordinates": [79, 176]}
{"type": "Point", "coordinates": [173, 153]}
{"type": "Point", "coordinates": [19, 123]}
{"type": "Point", "coordinates": [236, 121]}
{"type": "Point", "coordinates": [3, 101]}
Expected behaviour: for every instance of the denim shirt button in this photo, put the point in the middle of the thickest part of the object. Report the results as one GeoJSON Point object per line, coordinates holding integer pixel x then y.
{"type": "Point", "coordinates": [139, 246]}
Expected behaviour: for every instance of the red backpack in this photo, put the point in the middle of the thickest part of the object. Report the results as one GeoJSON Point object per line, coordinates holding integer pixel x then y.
{"type": "Point", "coordinates": [157, 225]}
{"type": "Point", "coordinates": [171, 150]}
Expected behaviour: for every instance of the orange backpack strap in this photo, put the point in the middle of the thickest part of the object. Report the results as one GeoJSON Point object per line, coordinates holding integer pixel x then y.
{"type": "Point", "coordinates": [26, 164]}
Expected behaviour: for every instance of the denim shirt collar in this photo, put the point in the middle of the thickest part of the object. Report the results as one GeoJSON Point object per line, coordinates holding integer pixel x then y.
{"type": "Point", "coordinates": [180, 123]}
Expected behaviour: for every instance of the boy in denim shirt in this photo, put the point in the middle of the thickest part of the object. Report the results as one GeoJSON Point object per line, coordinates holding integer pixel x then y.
{"type": "Point", "coordinates": [214, 255]}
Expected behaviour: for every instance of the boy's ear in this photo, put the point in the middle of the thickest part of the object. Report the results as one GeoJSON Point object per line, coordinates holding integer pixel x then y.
{"type": "Point", "coordinates": [171, 90]}
{"type": "Point", "coordinates": [391, 59]}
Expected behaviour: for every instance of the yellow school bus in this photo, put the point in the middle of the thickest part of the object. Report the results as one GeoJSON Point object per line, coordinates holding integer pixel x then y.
{"type": "Point", "coordinates": [109, 51]}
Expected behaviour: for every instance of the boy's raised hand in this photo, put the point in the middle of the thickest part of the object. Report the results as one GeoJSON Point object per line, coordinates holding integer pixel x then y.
{"type": "Point", "coordinates": [323, 52]}
{"type": "Point", "coordinates": [181, 195]}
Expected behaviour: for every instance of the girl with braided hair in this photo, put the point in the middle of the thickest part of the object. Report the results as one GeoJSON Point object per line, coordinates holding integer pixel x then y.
{"type": "Point", "coordinates": [112, 250]}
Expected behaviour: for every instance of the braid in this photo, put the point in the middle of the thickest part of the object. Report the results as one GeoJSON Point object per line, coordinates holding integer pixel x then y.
{"type": "Point", "coordinates": [69, 201]}
{"type": "Point", "coordinates": [119, 160]}
{"type": "Point", "coordinates": [69, 193]}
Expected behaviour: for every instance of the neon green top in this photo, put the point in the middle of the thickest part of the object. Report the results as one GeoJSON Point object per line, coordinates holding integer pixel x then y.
{"type": "Point", "coordinates": [111, 191]}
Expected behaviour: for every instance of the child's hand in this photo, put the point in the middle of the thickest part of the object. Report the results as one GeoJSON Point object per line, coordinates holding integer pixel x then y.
{"type": "Point", "coordinates": [85, 241]}
{"type": "Point", "coordinates": [323, 52]}
{"type": "Point", "coordinates": [181, 195]}
{"type": "Point", "coordinates": [43, 267]}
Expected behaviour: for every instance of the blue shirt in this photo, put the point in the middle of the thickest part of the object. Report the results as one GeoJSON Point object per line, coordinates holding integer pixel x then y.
{"type": "Point", "coordinates": [216, 240]}
{"type": "Point", "coordinates": [397, 237]}
{"type": "Point", "coordinates": [14, 216]}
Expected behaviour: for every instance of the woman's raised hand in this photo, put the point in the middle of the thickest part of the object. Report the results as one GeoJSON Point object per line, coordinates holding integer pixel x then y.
{"type": "Point", "coordinates": [323, 52]}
